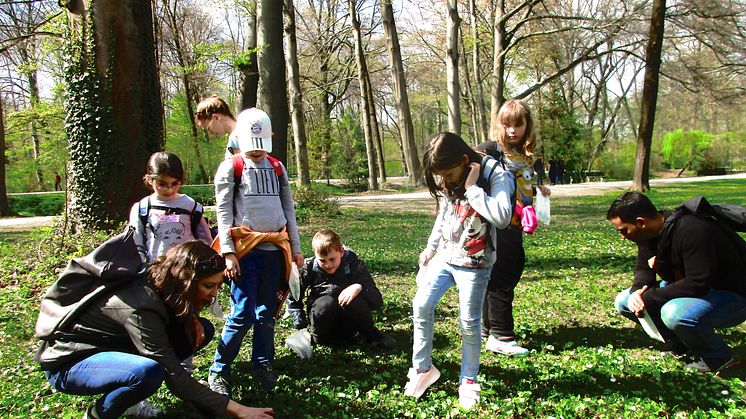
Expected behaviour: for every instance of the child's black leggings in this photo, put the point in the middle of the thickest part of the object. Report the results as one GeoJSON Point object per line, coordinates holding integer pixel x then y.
{"type": "Point", "coordinates": [497, 316]}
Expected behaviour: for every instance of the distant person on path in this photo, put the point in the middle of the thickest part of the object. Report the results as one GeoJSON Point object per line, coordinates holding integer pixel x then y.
{"type": "Point", "coordinates": [516, 136]}
{"type": "Point", "coordinates": [57, 182]}
{"type": "Point", "coordinates": [341, 296]}
{"type": "Point", "coordinates": [124, 345]}
{"type": "Point", "coordinates": [258, 235]}
{"type": "Point", "coordinates": [703, 279]}
{"type": "Point", "coordinates": [214, 115]}
{"type": "Point", "coordinates": [539, 169]}
{"type": "Point", "coordinates": [460, 251]}
{"type": "Point", "coordinates": [555, 171]}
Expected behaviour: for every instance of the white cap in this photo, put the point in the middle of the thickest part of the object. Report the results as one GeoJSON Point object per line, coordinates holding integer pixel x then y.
{"type": "Point", "coordinates": [253, 131]}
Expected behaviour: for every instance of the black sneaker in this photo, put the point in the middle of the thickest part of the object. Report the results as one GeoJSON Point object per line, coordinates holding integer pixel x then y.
{"type": "Point", "coordinates": [219, 384]}
{"type": "Point", "coordinates": [675, 350]}
{"type": "Point", "coordinates": [267, 378]}
{"type": "Point", "coordinates": [385, 341]}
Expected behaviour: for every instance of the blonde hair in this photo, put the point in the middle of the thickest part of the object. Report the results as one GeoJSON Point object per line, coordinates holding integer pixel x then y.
{"type": "Point", "coordinates": [514, 112]}
{"type": "Point", "coordinates": [325, 241]}
{"type": "Point", "coordinates": [210, 106]}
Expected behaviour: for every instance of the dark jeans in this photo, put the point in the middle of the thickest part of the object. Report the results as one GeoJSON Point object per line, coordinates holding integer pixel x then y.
{"type": "Point", "coordinates": [253, 304]}
{"type": "Point", "coordinates": [123, 379]}
{"type": "Point", "coordinates": [333, 324]}
{"type": "Point", "coordinates": [497, 317]}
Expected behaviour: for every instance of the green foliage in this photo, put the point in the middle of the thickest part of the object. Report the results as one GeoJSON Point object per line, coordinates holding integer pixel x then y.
{"type": "Point", "coordinates": [204, 194]}
{"type": "Point", "coordinates": [350, 160]}
{"type": "Point", "coordinates": [314, 202]}
{"type": "Point", "coordinates": [679, 148]}
{"type": "Point", "coordinates": [586, 360]}
{"type": "Point", "coordinates": [179, 141]}
{"type": "Point", "coordinates": [562, 135]}
{"type": "Point", "coordinates": [36, 205]}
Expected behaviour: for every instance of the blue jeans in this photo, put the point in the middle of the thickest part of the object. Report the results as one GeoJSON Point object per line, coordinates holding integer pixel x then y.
{"type": "Point", "coordinates": [471, 284]}
{"type": "Point", "coordinates": [253, 303]}
{"type": "Point", "coordinates": [692, 321]}
{"type": "Point", "coordinates": [124, 379]}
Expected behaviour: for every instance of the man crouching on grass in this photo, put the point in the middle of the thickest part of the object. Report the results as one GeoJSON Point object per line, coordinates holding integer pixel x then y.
{"type": "Point", "coordinates": [703, 279]}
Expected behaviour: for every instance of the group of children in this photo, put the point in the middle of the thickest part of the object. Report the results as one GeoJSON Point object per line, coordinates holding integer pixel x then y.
{"type": "Point", "coordinates": [475, 244]}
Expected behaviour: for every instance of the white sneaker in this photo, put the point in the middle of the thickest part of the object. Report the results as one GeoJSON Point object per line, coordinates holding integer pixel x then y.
{"type": "Point", "coordinates": [468, 394]}
{"type": "Point", "coordinates": [144, 409]}
{"type": "Point", "coordinates": [505, 347]}
{"type": "Point", "coordinates": [419, 382]}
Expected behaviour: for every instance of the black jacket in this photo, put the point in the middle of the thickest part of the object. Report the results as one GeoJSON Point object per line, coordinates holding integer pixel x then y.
{"type": "Point", "coordinates": [316, 283]}
{"type": "Point", "coordinates": [693, 255]}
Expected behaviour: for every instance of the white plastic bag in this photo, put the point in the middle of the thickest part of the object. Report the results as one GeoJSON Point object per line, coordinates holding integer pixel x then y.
{"type": "Point", "coordinates": [542, 207]}
{"type": "Point", "coordinates": [300, 343]}
{"type": "Point", "coordinates": [294, 282]}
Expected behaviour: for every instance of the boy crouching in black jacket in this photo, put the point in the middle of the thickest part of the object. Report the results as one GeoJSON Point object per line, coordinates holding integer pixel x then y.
{"type": "Point", "coordinates": [342, 295]}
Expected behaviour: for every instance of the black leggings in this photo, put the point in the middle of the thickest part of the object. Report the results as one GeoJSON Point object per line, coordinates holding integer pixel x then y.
{"type": "Point", "coordinates": [497, 316]}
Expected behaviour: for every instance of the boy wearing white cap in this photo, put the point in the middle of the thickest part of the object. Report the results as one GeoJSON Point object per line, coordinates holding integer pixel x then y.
{"type": "Point", "coordinates": [258, 235]}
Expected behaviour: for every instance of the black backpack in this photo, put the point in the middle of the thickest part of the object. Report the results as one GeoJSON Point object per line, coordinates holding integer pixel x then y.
{"type": "Point", "coordinates": [112, 264]}
{"type": "Point", "coordinates": [729, 218]}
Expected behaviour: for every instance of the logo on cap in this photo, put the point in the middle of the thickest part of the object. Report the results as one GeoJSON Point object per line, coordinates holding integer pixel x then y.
{"type": "Point", "coordinates": [256, 128]}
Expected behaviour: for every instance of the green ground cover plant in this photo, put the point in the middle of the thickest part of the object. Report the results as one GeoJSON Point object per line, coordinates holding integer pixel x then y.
{"type": "Point", "coordinates": [586, 361]}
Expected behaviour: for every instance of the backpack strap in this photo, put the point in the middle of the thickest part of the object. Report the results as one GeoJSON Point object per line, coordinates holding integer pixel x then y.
{"type": "Point", "coordinates": [144, 212]}
{"type": "Point", "coordinates": [277, 166]}
{"type": "Point", "coordinates": [238, 163]}
{"type": "Point", "coordinates": [196, 218]}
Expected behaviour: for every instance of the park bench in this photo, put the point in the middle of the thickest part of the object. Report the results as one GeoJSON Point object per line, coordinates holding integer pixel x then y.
{"type": "Point", "coordinates": [598, 175]}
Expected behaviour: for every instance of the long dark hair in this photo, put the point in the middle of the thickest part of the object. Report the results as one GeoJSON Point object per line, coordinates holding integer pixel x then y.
{"type": "Point", "coordinates": [446, 150]}
{"type": "Point", "coordinates": [175, 275]}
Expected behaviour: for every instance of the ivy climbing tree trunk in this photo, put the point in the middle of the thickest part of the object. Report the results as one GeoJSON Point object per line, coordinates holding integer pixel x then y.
{"type": "Point", "coordinates": [113, 108]}
{"type": "Point", "coordinates": [249, 69]}
{"type": "Point", "coordinates": [4, 207]}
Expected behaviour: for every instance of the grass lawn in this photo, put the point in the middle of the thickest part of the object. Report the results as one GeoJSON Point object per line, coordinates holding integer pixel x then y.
{"type": "Point", "coordinates": [585, 361]}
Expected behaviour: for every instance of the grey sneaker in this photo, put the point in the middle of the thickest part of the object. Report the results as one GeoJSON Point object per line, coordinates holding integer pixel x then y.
{"type": "Point", "coordinates": [712, 366]}
{"type": "Point", "coordinates": [267, 378]}
{"type": "Point", "coordinates": [219, 384]}
{"type": "Point", "coordinates": [144, 409]}
{"type": "Point", "coordinates": [509, 347]}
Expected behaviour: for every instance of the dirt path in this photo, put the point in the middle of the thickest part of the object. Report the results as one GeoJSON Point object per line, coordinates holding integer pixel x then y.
{"type": "Point", "coordinates": [418, 201]}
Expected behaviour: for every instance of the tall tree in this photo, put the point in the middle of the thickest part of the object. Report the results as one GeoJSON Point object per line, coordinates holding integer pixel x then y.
{"type": "Point", "coordinates": [365, 111]}
{"type": "Point", "coordinates": [249, 68]}
{"type": "Point", "coordinates": [452, 57]}
{"type": "Point", "coordinates": [296, 96]}
{"type": "Point", "coordinates": [406, 127]}
{"type": "Point", "coordinates": [272, 96]}
{"type": "Point", "coordinates": [4, 207]}
{"type": "Point", "coordinates": [114, 110]}
{"type": "Point", "coordinates": [478, 94]}
{"type": "Point", "coordinates": [176, 21]}
{"type": "Point", "coordinates": [641, 179]}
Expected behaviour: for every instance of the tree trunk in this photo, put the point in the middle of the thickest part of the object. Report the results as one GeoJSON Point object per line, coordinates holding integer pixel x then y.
{"type": "Point", "coordinates": [33, 95]}
{"type": "Point", "coordinates": [406, 127]}
{"type": "Point", "coordinates": [114, 109]}
{"type": "Point", "coordinates": [452, 81]}
{"type": "Point", "coordinates": [375, 129]}
{"type": "Point", "coordinates": [177, 31]}
{"type": "Point", "coordinates": [497, 94]}
{"type": "Point", "coordinates": [641, 180]}
{"type": "Point", "coordinates": [4, 207]}
{"type": "Point", "coordinates": [296, 98]}
{"type": "Point", "coordinates": [362, 77]}
{"type": "Point", "coordinates": [250, 70]}
{"type": "Point", "coordinates": [478, 96]}
{"type": "Point", "coordinates": [272, 95]}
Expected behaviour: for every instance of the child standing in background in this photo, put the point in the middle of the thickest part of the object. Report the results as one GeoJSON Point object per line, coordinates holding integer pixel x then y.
{"type": "Point", "coordinates": [515, 135]}
{"type": "Point", "coordinates": [463, 237]}
{"type": "Point", "coordinates": [214, 115]}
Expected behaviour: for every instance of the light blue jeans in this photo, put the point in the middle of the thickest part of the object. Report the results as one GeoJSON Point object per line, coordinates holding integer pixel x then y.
{"type": "Point", "coordinates": [471, 285]}
{"type": "Point", "coordinates": [693, 321]}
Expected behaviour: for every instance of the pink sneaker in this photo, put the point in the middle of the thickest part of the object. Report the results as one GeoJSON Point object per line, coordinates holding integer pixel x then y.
{"type": "Point", "coordinates": [419, 382]}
